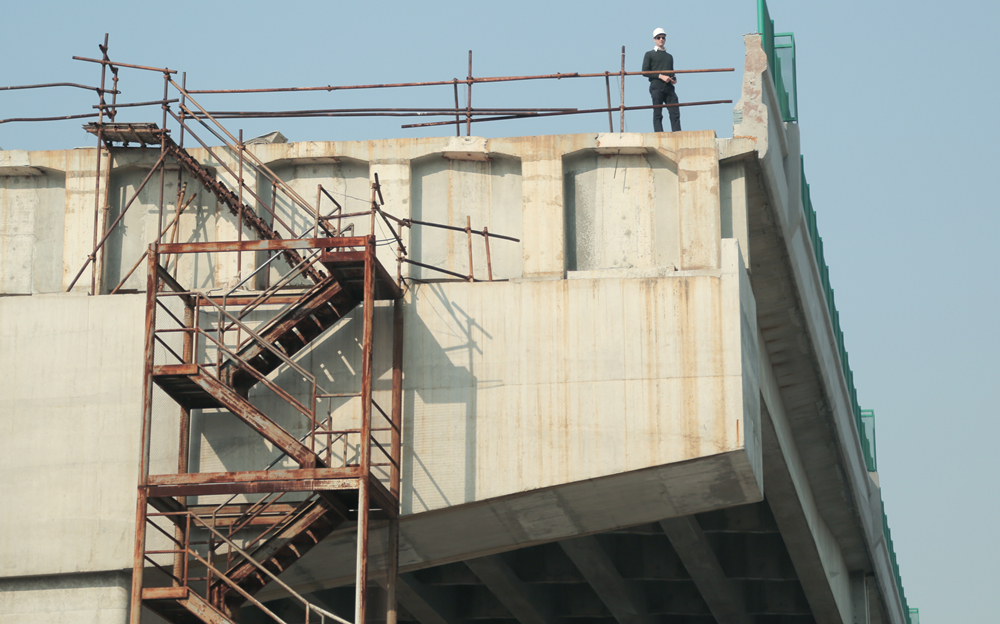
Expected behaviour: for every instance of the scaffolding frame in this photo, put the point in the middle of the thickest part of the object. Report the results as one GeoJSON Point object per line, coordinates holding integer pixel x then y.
{"type": "Point", "coordinates": [263, 536]}
{"type": "Point", "coordinates": [201, 557]}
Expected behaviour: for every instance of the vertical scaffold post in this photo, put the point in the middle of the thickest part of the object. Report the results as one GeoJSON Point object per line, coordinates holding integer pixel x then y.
{"type": "Point", "coordinates": [397, 394]}
{"type": "Point", "coordinates": [163, 149]}
{"type": "Point", "coordinates": [184, 433]}
{"type": "Point", "coordinates": [97, 176]}
{"type": "Point", "coordinates": [621, 122]}
{"type": "Point", "coordinates": [458, 119]}
{"type": "Point", "coordinates": [397, 430]}
{"type": "Point", "coordinates": [468, 106]}
{"type": "Point", "coordinates": [607, 87]}
{"type": "Point", "coordinates": [364, 484]}
{"type": "Point", "coordinates": [139, 553]}
{"type": "Point", "coordinates": [468, 234]}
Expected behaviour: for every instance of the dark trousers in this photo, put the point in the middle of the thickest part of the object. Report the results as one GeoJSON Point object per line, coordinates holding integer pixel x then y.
{"type": "Point", "coordinates": [665, 95]}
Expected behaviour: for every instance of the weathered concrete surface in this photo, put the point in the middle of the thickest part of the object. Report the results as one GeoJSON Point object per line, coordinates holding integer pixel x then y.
{"type": "Point", "coordinates": [619, 397]}
{"type": "Point", "coordinates": [573, 380]}
{"type": "Point", "coordinates": [72, 388]}
{"type": "Point", "coordinates": [442, 180]}
{"type": "Point", "coordinates": [96, 598]}
{"type": "Point", "coordinates": [662, 350]}
{"type": "Point", "coordinates": [578, 407]}
{"type": "Point", "coordinates": [32, 212]}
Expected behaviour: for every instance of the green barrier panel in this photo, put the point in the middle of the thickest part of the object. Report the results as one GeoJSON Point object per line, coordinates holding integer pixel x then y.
{"type": "Point", "coordinates": [784, 63]}
{"type": "Point", "coordinates": [864, 420]}
{"type": "Point", "coordinates": [765, 26]}
{"type": "Point", "coordinates": [780, 51]}
{"type": "Point", "coordinates": [907, 612]}
{"type": "Point", "coordinates": [868, 438]}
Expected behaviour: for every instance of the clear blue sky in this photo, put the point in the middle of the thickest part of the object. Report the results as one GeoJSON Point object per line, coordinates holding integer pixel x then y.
{"type": "Point", "coordinates": [899, 133]}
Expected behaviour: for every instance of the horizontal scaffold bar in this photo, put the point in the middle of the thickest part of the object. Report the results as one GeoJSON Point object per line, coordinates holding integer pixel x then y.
{"type": "Point", "coordinates": [264, 245]}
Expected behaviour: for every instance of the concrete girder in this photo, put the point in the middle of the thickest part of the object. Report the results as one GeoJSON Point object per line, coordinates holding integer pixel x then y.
{"type": "Point", "coordinates": [752, 556]}
{"type": "Point", "coordinates": [744, 555]}
{"type": "Point", "coordinates": [544, 563]}
{"type": "Point", "coordinates": [775, 598]}
{"type": "Point", "coordinates": [447, 574]}
{"type": "Point", "coordinates": [812, 495]}
{"type": "Point", "coordinates": [860, 612]}
{"type": "Point", "coordinates": [622, 600]}
{"type": "Point", "coordinates": [513, 593]}
{"type": "Point", "coordinates": [478, 603]}
{"type": "Point", "coordinates": [814, 551]}
{"type": "Point", "coordinates": [428, 604]}
{"type": "Point", "coordinates": [724, 598]}
{"type": "Point", "coordinates": [797, 331]}
{"type": "Point", "coordinates": [536, 517]}
{"type": "Point", "coordinates": [753, 518]}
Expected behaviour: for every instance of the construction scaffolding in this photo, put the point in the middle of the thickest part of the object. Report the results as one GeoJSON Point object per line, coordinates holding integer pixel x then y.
{"type": "Point", "coordinates": [208, 541]}
{"type": "Point", "coordinates": [202, 352]}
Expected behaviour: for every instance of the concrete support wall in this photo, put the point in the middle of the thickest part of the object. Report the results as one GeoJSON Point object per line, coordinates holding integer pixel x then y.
{"type": "Point", "coordinates": [71, 371]}
{"type": "Point", "coordinates": [568, 380]}
{"type": "Point", "coordinates": [95, 598]}
{"type": "Point", "coordinates": [70, 409]}
{"type": "Point", "coordinates": [622, 375]}
{"type": "Point", "coordinates": [596, 384]}
{"type": "Point", "coordinates": [575, 194]}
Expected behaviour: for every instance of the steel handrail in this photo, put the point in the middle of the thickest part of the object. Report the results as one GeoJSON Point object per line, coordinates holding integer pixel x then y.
{"type": "Point", "coordinates": [224, 165]}
{"type": "Point", "coordinates": [263, 569]}
{"type": "Point", "coordinates": [251, 333]}
{"type": "Point", "coordinates": [260, 166]}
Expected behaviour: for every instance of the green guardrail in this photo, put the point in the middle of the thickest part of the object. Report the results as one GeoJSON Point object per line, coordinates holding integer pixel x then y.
{"type": "Point", "coordinates": [864, 420]}
{"type": "Point", "coordinates": [867, 432]}
{"type": "Point", "coordinates": [907, 611]}
{"type": "Point", "coordinates": [780, 51]}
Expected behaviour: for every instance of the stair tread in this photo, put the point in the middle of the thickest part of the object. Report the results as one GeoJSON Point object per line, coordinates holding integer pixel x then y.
{"type": "Point", "coordinates": [190, 387]}
{"type": "Point", "coordinates": [292, 330]}
{"type": "Point", "coordinates": [315, 521]}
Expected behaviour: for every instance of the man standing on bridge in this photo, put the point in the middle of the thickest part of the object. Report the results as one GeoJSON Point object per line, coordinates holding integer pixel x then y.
{"type": "Point", "coordinates": [661, 86]}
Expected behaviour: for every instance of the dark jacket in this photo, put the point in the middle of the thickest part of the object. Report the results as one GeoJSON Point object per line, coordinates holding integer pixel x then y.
{"type": "Point", "coordinates": [656, 60]}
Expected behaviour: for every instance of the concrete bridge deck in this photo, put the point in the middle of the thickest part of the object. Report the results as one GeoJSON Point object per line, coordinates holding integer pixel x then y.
{"type": "Point", "coordinates": [648, 422]}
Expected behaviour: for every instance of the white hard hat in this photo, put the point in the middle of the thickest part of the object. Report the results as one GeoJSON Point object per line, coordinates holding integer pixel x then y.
{"type": "Point", "coordinates": [659, 31]}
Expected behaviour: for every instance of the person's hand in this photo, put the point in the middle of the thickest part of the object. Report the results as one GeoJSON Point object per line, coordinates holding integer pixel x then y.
{"type": "Point", "coordinates": [665, 78]}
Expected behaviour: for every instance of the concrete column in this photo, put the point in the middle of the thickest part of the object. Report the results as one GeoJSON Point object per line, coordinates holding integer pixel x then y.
{"type": "Point", "coordinates": [394, 176]}
{"type": "Point", "coordinates": [79, 226]}
{"type": "Point", "coordinates": [698, 178]}
{"type": "Point", "coordinates": [542, 189]}
{"type": "Point", "coordinates": [733, 197]}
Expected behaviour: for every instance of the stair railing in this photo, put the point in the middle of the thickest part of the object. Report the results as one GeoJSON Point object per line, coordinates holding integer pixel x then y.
{"type": "Point", "coordinates": [234, 145]}
{"type": "Point", "coordinates": [210, 338]}
{"type": "Point", "coordinates": [320, 438]}
{"type": "Point", "coordinates": [186, 548]}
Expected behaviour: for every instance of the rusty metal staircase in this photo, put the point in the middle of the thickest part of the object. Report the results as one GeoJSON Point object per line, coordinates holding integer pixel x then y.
{"type": "Point", "coordinates": [216, 557]}
{"type": "Point", "coordinates": [206, 543]}
{"type": "Point", "coordinates": [149, 134]}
